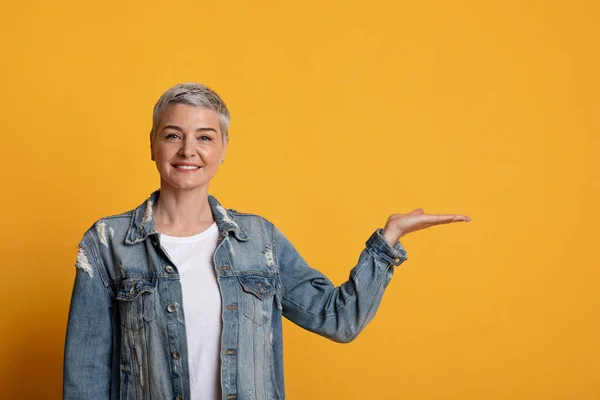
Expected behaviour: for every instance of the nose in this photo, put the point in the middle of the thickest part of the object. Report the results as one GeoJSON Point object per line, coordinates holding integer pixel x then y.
{"type": "Point", "coordinates": [187, 147]}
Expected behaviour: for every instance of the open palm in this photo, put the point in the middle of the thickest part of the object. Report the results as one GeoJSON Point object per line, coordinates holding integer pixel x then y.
{"type": "Point", "coordinates": [399, 225]}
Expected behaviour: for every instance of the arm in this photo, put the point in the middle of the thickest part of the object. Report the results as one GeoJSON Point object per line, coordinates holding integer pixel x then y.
{"type": "Point", "coordinates": [88, 347]}
{"type": "Point", "coordinates": [311, 301]}
{"type": "Point", "coordinates": [340, 313]}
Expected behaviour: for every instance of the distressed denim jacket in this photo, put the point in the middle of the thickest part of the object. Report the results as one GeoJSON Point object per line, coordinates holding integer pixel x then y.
{"type": "Point", "coordinates": [126, 336]}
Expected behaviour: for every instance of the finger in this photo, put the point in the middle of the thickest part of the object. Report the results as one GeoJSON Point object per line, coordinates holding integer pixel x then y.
{"type": "Point", "coordinates": [444, 218]}
{"type": "Point", "coordinates": [417, 211]}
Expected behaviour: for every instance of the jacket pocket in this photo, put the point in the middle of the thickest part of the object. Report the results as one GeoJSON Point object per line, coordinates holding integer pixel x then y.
{"type": "Point", "coordinates": [258, 296]}
{"type": "Point", "coordinates": [136, 298]}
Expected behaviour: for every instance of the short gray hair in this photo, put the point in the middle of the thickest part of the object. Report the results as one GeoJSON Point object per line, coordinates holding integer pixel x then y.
{"type": "Point", "coordinates": [192, 94]}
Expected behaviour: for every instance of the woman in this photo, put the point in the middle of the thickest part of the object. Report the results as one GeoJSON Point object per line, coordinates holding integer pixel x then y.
{"type": "Point", "coordinates": [182, 298]}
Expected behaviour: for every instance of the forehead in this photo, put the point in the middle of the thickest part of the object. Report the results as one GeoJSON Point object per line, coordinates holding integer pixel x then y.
{"type": "Point", "coordinates": [186, 116]}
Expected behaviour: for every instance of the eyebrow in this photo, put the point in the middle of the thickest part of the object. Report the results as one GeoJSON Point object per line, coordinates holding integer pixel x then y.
{"type": "Point", "coordinates": [175, 127]}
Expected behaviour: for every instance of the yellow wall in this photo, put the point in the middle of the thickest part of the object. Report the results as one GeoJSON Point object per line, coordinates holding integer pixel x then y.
{"type": "Point", "coordinates": [343, 112]}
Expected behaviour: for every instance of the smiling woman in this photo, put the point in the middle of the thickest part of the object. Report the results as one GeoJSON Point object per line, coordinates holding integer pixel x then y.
{"type": "Point", "coordinates": [182, 298]}
{"type": "Point", "coordinates": [188, 147]}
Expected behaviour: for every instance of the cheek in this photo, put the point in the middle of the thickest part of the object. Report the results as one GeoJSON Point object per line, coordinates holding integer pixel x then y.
{"type": "Point", "coordinates": [211, 155]}
{"type": "Point", "coordinates": [163, 152]}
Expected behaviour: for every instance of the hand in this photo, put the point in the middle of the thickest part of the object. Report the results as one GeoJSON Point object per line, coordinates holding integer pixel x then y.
{"type": "Point", "coordinates": [399, 225]}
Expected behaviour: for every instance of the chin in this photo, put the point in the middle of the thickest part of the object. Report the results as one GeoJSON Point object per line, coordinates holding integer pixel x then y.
{"type": "Point", "coordinates": [184, 185]}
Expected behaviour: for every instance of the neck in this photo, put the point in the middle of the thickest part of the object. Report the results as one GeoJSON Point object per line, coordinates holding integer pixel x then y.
{"type": "Point", "coordinates": [182, 212]}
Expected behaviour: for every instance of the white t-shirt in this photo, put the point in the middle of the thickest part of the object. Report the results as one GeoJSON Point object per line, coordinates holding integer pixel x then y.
{"type": "Point", "coordinates": [193, 258]}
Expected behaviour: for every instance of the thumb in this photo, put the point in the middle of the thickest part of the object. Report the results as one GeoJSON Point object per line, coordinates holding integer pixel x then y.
{"type": "Point", "coordinates": [417, 211]}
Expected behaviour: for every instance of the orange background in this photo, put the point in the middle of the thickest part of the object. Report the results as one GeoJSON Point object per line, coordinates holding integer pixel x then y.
{"type": "Point", "coordinates": [343, 113]}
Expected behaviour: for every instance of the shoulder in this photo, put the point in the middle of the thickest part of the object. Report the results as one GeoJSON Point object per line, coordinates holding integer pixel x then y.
{"type": "Point", "coordinates": [102, 243]}
{"type": "Point", "coordinates": [246, 215]}
{"type": "Point", "coordinates": [252, 224]}
{"type": "Point", "coordinates": [108, 226]}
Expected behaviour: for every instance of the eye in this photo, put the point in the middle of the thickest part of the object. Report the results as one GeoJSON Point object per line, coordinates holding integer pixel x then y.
{"type": "Point", "coordinates": [204, 138]}
{"type": "Point", "coordinates": [171, 136]}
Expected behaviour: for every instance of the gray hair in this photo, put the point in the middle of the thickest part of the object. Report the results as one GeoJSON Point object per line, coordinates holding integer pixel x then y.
{"type": "Point", "coordinates": [192, 94]}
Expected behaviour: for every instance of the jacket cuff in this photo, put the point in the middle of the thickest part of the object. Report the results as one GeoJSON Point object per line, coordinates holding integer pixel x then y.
{"type": "Point", "coordinates": [380, 248]}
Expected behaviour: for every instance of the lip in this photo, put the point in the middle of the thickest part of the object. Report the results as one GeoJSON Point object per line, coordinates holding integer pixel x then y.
{"type": "Point", "coordinates": [184, 164]}
{"type": "Point", "coordinates": [185, 171]}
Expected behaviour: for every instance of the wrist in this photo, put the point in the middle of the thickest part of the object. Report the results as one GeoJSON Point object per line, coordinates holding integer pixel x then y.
{"type": "Point", "coordinates": [391, 237]}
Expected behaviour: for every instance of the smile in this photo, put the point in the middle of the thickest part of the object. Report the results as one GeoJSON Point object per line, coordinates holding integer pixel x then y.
{"type": "Point", "coordinates": [187, 167]}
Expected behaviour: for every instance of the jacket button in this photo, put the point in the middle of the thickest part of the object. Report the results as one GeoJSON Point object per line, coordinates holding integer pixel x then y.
{"type": "Point", "coordinates": [171, 308]}
{"type": "Point", "coordinates": [179, 398]}
{"type": "Point", "coordinates": [169, 269]}
{"type": "Point", "coordinates": [176, 355]}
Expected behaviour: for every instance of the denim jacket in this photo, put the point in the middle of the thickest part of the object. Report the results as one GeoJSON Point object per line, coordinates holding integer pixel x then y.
{"type": "Point", "coordinates": [126, 336]}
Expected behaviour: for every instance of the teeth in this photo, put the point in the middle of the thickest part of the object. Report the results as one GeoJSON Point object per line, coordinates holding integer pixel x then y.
{"type": "Point", "coordinates": [187, 167]}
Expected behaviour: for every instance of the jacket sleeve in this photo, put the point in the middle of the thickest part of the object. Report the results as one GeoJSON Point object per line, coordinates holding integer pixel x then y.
{"type": "Point", "coordinates": [88, 346]}
{"type": "Point", "coordinates": [339, 313]}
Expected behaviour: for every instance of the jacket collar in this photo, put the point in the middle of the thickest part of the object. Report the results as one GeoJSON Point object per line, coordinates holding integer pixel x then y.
{"type": "Point", "coordinates": [142, 220]}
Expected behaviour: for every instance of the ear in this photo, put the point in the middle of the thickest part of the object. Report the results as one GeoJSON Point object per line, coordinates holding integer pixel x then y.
{"type": "Point", "coordinates": [224, 149]}
{"type": "Point", "coordinates": [151, 147]}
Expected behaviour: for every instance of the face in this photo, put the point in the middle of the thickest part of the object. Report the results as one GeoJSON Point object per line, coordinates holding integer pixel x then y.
{"type": "Point", "coordinates": [188, 147]}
